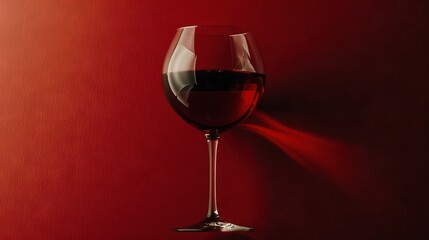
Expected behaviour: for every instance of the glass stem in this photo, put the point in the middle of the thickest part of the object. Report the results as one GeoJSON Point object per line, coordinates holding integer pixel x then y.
{"type": "Point", "coordinates": [212, 141]}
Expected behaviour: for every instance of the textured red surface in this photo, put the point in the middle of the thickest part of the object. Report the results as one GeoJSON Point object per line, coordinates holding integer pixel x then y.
{"type": "Point", "coordinates": [90, 149]}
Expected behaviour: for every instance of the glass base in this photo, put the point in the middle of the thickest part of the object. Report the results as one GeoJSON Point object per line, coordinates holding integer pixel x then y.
{"type": "Point", "coordinates": [214, 225]}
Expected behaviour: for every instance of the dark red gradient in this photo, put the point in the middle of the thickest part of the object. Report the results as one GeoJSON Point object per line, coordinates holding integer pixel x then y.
{"type": "Point", "coordinates": [90, 149]}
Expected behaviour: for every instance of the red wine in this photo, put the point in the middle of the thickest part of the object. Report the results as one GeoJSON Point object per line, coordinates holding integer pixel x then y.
{"type": "Point", "coordinates": [213, 100]}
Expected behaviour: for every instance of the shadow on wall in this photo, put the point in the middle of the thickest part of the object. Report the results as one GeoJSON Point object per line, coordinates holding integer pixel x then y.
{"type": "Point", "coordinates": [327, 158]}
{"type": "Point", "coordinates": [358, 159]}
{"type": "Point", "coordinates": [354, 120]}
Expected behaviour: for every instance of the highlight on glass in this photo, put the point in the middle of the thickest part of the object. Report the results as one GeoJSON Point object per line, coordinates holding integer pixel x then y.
{"type": "Point", "coordinates": [213, 77]}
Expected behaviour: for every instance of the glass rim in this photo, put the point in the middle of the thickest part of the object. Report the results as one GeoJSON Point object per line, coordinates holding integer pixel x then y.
{"type": "Point", "coordinates": [220, 30]}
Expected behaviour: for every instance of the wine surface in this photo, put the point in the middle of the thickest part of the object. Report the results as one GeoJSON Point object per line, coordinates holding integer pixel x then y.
{"type": "Point", "coordinates": [213, 100]}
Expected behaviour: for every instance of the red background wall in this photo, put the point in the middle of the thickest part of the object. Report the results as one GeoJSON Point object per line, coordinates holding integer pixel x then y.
{"type": "Point", "coordinates": [90, 149]}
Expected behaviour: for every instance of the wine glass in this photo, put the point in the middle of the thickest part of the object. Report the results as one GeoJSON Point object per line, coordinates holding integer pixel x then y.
{"type": "Point", "coordinates": [213, 76]}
